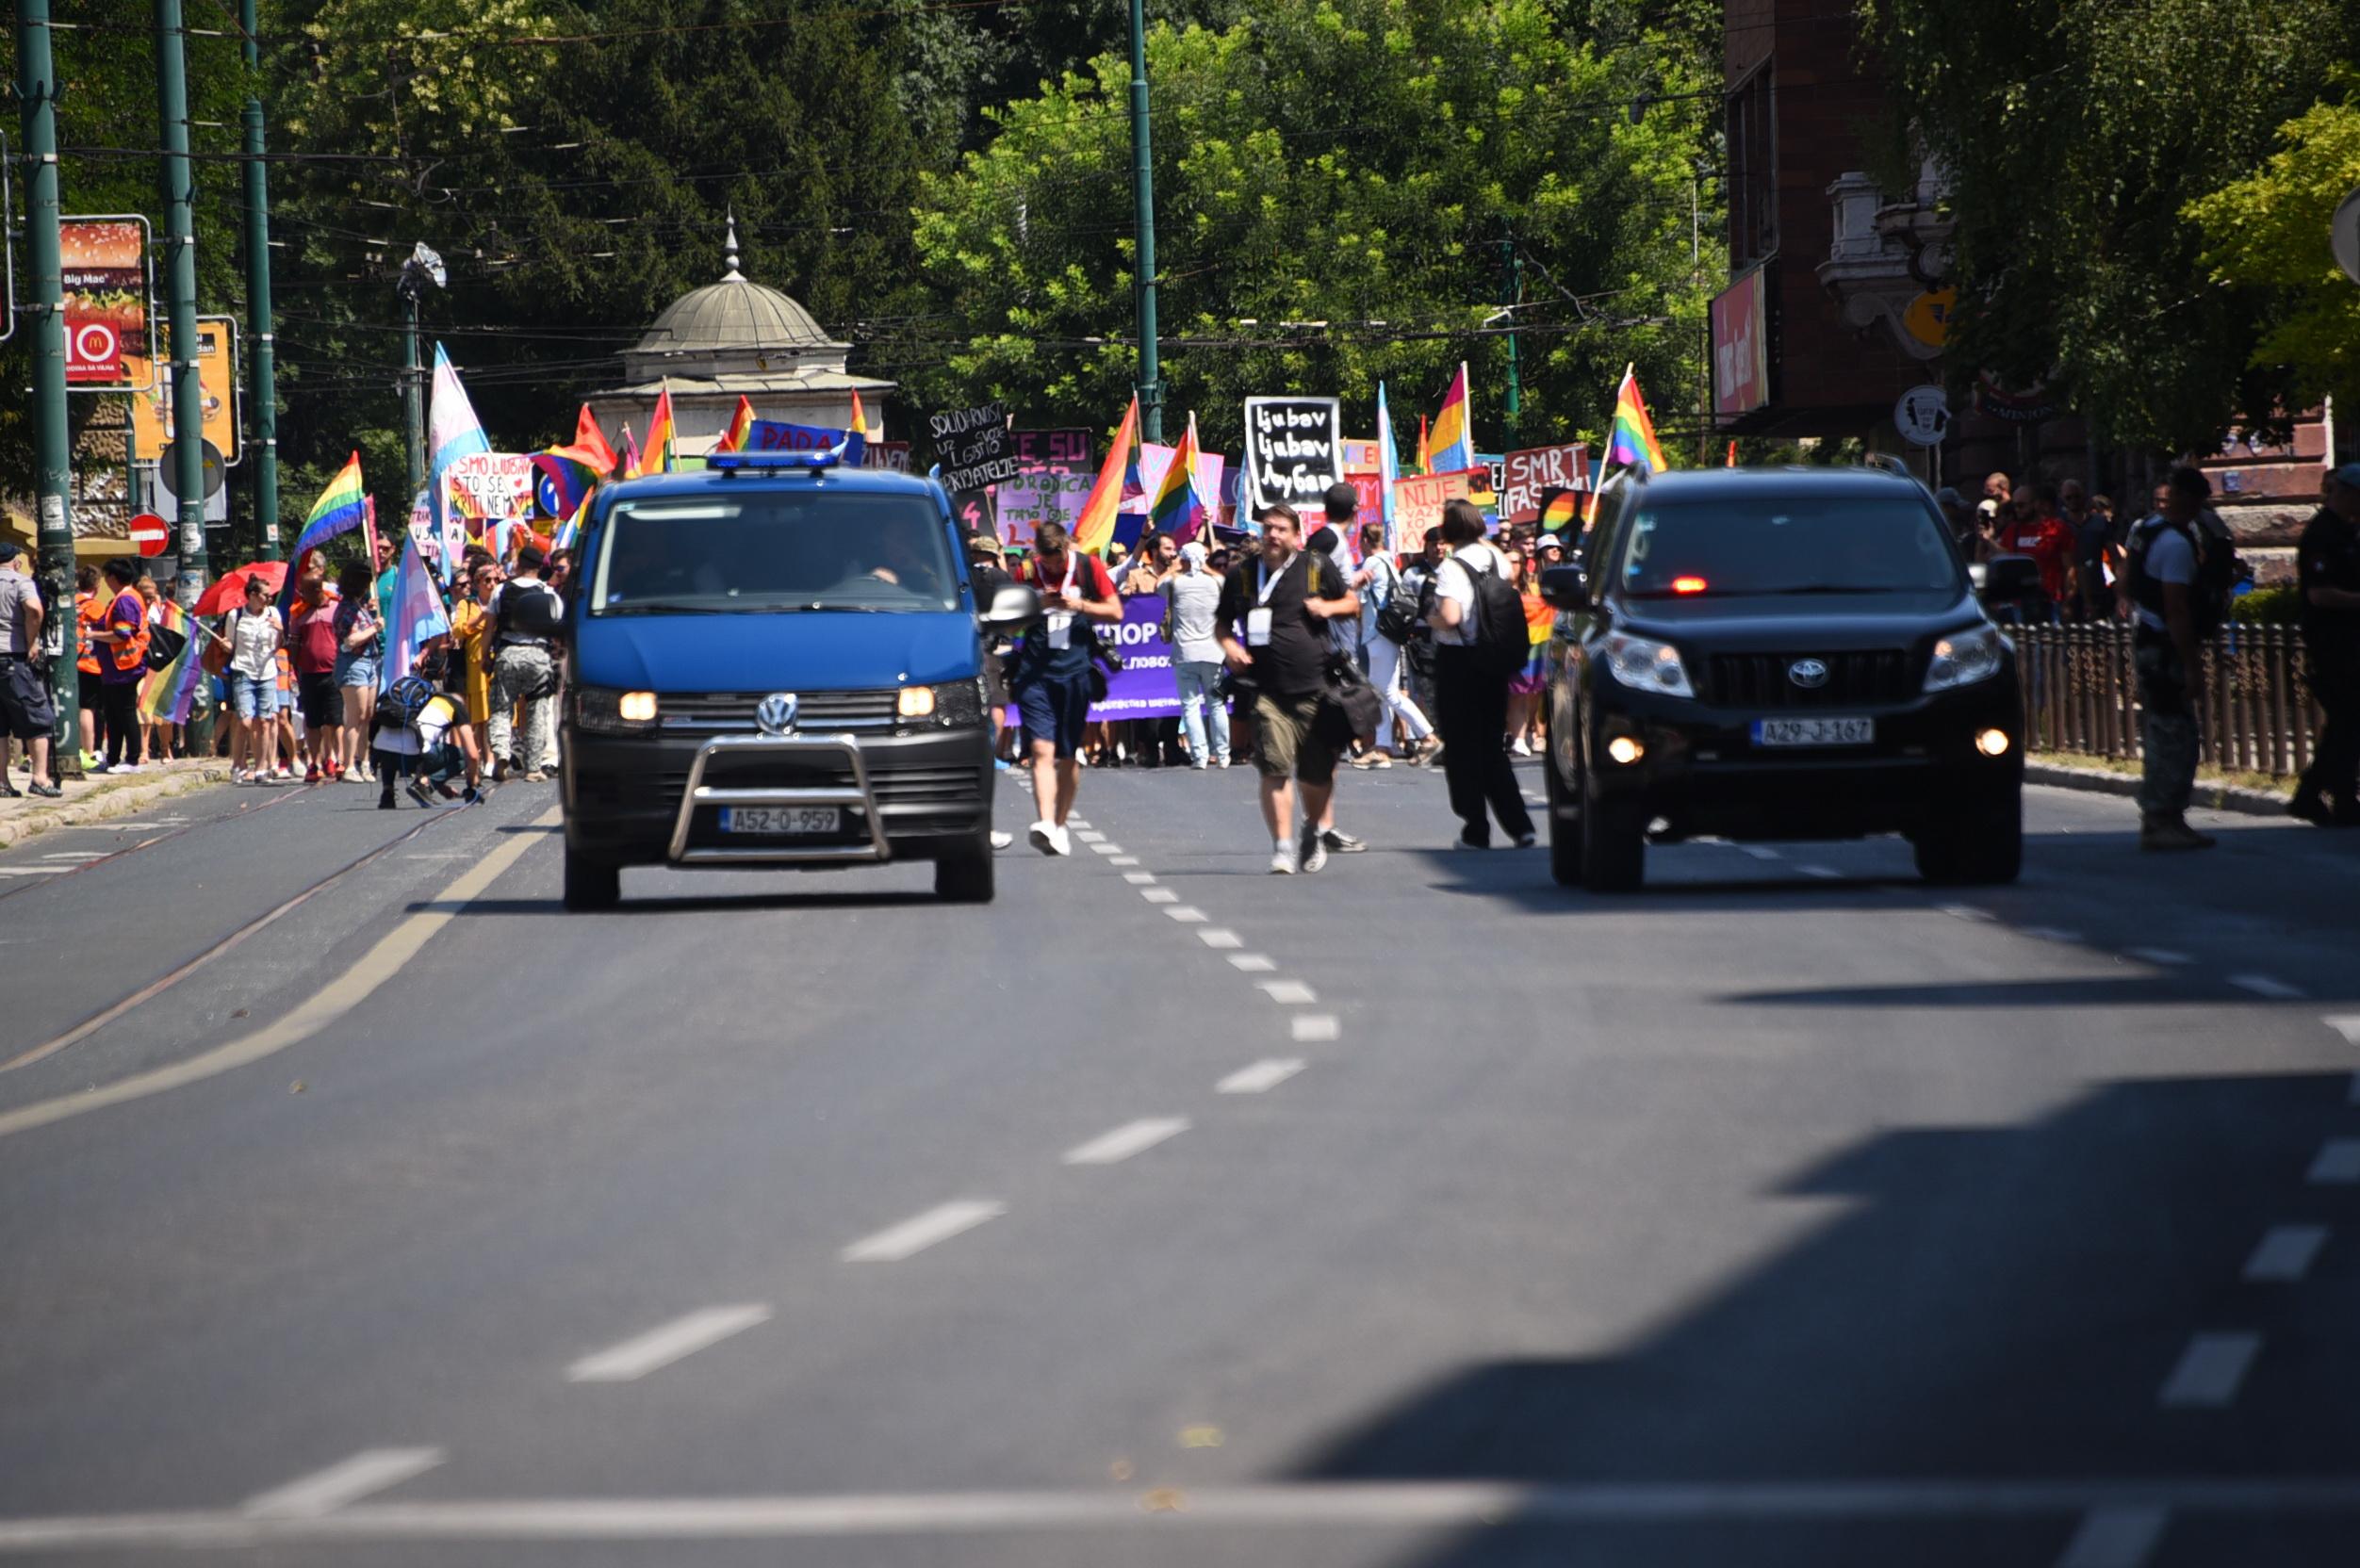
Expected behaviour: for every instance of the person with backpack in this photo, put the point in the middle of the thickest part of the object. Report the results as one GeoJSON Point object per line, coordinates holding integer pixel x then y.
{"type": "Point", "coordinates": [1480, 644]}
{"type": "Point", "coordinates": [1389, 624]}
{"type": "Point", "coordinates": [1191, 597]}
{"type": "Point", "coordinates": [2180, 573]}
{"type": "Point", "coordinates": [1273, 625]}
{"type": "Point", "coordinates": [524, 613]}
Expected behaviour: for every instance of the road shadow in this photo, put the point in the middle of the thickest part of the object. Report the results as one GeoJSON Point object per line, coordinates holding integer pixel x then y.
{"type": "Point", "coordinates": [1986, 1304]}
{"type": "Point", "coordinates": [892, 899]}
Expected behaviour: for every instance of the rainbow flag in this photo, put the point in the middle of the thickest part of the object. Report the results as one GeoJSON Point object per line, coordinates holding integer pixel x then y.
{"type": "Point", "coordinates": [1179, 507]}
{"type": "Point", "coordinates": [570, 530]}
{"type": "Point", "coordinates": [1540, 624]}
{"type": "Point", "coordinates": [1632, 443]}
{"type": "Point", "coordinates": [1093, 530]}
{"type": "Point", "coordinates": [1452, 447]}
{"type": "Point", "coordinates": [575, 470]}
{"type": "Point", "coordinates": [658, 456]}
{"type": "Point", "coordinates": [166, 693]}
{"type": "Point", "coordinates": [742, 424]}
{"type": "Point", "coordinates": [856, 441]}
{"type": "Point", "coordinates": [1425, 451]}
{"type": "Point", "coordinates": [342, 507]}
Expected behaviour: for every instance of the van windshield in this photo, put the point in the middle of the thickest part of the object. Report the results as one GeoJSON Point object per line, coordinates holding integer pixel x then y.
{"type": "Point", "coordinates": [1788, 544]}
{"type": "Point", "coordinates": [769, 550]}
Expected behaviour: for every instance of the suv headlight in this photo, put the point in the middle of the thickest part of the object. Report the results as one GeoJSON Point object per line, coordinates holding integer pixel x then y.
{"type": "Point", "coordinates": [1645, 664]}
{"type": "Point", "coordinates": [1962, 658]}
{"type": "Point", "coordinates": [603, 710]}
{"type": "Point", "coordinates": [950, 706]}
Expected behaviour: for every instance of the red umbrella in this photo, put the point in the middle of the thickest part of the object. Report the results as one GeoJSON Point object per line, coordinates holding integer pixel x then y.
{"type": "Point", "coordinates": [230, 592]}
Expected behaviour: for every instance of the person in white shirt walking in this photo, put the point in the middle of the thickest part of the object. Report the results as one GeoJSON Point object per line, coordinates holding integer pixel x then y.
{"type": "Point", "coordinates": [1192, 596]}
{"type": "Point", "coordinates": [1378, 581]}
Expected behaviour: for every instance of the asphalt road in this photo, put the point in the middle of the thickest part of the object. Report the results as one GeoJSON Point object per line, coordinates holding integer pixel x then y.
{"type": "Point", "coordinates": [1417, 1213]}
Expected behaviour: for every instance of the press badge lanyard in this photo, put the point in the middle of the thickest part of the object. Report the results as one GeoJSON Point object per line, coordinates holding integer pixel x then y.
{"type": "Point", "coordinates": [1258, 618]}
{"type": "Point", "coordinates": [1059, 623]}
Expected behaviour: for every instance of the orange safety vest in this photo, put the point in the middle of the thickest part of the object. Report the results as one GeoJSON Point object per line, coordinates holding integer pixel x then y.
{"type": "Point", "coordinates": [131, 653]}
{"type": "Point", "coordinates": [92, 616]}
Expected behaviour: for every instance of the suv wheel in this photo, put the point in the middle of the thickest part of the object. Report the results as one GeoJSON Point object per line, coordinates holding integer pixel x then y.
{"type": "Point", "coordinates": [1613, 846]}
{"type": "Point", "coordinates": [1982, 845]}
{"type": "Point", "coordinates": [966, 876]}
{"type": "Point", "coordinates": [1564, 832]}
{"type": "Point", "coordinates": [591, 883]}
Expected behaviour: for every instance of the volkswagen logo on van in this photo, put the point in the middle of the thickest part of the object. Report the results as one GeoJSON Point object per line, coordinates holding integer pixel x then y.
{"type": "Point", "coordinates": [775, 714]}
{"type": "Point", "coordinates": [1809, 674]}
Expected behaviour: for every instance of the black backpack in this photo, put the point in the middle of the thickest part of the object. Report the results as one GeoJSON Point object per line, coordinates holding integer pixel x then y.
{"type": "Point", "coordinates": [1397, 618]}
{"type": "Point", "coordinates": [1500, 646]}
{"type": "Point", "coordinates": [528, 610]}
{"type": "Point", "coordinates": [2219, 570]}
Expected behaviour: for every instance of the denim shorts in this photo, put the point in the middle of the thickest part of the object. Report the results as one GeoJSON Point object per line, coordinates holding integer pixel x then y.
{"type": "Point", "coordinates": [356, 669]}
{"type": "Point", "coordinates": [253, 698]}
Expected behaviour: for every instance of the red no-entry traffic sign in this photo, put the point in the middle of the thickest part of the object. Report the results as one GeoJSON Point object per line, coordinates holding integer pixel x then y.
{"type": "Point", "coordinates": [151, 533]}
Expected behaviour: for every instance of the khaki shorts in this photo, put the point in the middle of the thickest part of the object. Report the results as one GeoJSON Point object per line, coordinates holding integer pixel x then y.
{"type": "Point", "coordinates": [1286, 740]}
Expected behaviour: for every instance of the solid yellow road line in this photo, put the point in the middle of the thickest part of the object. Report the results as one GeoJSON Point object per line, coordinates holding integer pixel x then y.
{"type": "Point", "coordinates": [347, 992]}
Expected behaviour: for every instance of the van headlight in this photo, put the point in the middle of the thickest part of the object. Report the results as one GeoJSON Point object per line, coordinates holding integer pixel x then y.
{"type": "Point", "coordinates": [1645, 664]}
{"type": "Point", "coordinates": [1963, 658]}
{"type": "Point", "coordinates": [950, 706]}
{"type": "Point", "coordinates": [604, 711]}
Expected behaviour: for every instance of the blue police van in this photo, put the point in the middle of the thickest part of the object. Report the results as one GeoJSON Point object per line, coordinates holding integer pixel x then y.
{"type": "Point", "coordinates": [776, 662]}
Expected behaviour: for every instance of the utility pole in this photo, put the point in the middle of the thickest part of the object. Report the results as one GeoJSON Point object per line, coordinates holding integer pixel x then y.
{"type": "Point", "coordinates": [1151, 389]}
{"type": "Point", "coordinates": [37, 100]}
{"type": "Point", "coordinates": [413, 417]}
{"type": "Point", "coordinates": [180, 274]}
{"type": "Point", "coordinates": [262, 393]}
{"type": "Point", "coordinates": [1512, 294]}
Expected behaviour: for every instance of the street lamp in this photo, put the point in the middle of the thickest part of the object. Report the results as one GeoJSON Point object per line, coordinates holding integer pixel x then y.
{"type": "Point", "coordinates": [422, 269]}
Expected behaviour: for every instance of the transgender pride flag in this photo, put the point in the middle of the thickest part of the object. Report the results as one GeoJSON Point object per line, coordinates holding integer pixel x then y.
{"type": "Point", "coordinates": [453, 432]}
{"type": "Point", "coordinates": [417, 615]}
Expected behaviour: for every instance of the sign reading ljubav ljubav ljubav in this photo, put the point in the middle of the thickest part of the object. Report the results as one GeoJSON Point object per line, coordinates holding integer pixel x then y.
{"type": "Point", "coordinates": [1294, 450]}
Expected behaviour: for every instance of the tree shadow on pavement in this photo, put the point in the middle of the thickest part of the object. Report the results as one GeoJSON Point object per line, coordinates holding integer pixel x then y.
{"type": "Point", "coordinates": [1988, 1304]}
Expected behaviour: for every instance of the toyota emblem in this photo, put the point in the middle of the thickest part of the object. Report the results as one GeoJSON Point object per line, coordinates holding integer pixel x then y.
{"type": "Point", "coordinates": [775, 714]}
{"type": "Point", "coordinates": [1809, 674]}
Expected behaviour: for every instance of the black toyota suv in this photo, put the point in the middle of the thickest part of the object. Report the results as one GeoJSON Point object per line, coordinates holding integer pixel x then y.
{"type": "Point", "coordinates": [1791, 653]}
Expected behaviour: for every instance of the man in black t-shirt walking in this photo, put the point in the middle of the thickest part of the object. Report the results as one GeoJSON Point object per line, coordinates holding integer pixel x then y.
{"type": "Point", "coordinates": [1272, 623]}
{"type": "Point", "coordinates": [2327, 577]}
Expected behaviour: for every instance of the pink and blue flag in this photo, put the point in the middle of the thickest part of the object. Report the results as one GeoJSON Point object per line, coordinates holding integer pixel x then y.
{"type": "Point", "coordinates": [417, 615]}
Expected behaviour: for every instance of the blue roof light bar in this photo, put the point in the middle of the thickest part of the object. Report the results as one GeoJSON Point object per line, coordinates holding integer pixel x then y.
{"type": "Point", "coordinates": [731, 462]}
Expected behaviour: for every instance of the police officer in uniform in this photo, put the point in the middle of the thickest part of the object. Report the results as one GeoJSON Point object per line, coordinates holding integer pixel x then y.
{"type": "Point", "coordinates": [2327, 580]}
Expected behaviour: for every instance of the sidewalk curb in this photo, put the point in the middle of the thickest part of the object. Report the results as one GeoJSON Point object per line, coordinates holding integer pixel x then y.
{"type": "Point", "coordinates": [104, 804]}
{"type": "Point", "coordinates": [2213, 797]}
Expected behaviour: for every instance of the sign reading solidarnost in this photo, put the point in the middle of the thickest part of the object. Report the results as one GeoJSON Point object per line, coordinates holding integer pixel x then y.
{"type": "Point", "coordinates": [1740, 345]}
{"type": "Point", "coordinates": [1417, 503]}
{"type": "Point", "coordinates": [494, 486]}
{"type": "Point", "coordinates": [1538, 468]}
{"type": "Point", "coordinates": [105, 274]}
{"type": "Point", "coordinates": [977, 446]}
{"type": "Point", "coordinates": [1294, 450]}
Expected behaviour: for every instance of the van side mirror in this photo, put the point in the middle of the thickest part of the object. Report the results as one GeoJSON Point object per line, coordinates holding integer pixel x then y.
{"type": "Point", "coordinates": [2010, 577]}
{"type": "Point", "coordinates": [1566, 587]}
{"type": "Point", "coordinates": [1012, 608]}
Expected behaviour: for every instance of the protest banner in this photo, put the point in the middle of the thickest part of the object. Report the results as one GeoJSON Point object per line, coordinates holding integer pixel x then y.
{"type": "Point", "coordinates": [1147, 686]}
{"type": "Point", "coordinates": [1030, 499]}
{"type": "Point", "coordinates": [891, 456]}
{"type": "Point", "coordinates": [493, 487]}
{"type": "Point", "coordinates": [1417, 503]}
{"type": "Point", "coordinates": [776, 436]}
{"type": "Point", "coordinates": [1360, 457]}
{"type": "Point", "coordinates": [1063, 451]}
{"type": "Point", "coordinates": [976, 447]}
{"type": "Point", "coordinates": [1294, 450]}
{"type": "Point", "coordinates": [1538, 468]}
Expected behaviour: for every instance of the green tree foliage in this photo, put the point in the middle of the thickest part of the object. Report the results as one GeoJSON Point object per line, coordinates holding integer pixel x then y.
{"type": "Point", "coordinates": [1362, 163]}
{"type": "Point", "coordinates": [2267, 235]}
{"type": "Point", "coordinates": [2075, 132]}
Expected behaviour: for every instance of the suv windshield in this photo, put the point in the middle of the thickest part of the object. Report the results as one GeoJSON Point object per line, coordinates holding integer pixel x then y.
{"type": "Point", "coordinates": [771, 550]}
{"type": "Point", "coordinates": [1787, 543]}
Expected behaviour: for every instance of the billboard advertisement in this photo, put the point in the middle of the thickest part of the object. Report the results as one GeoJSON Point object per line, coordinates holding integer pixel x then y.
{"type": "Point", "coordinates": [1740, 345]}
{"type": "Point", "coordinates": [107, 309]}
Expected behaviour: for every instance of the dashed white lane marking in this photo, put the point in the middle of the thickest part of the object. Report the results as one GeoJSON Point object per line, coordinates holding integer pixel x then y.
{"type": "Point", "coordinates": [1132, 1137]}
{"type": "Point", "coordinates": [2263, 984]}
{"type": "Point", "coordinates": [1186, 914]}
{"type": "Point", "coordinates": [33, 871]}
{"type": "Point", "coordinates": [2286, 1252]}
{"type": "Point", "coordinates": [2052, 933]}
{"type": "Point", "coordinates": [1262, 1076]}
{"type": "Point", "coordinates": [1160, 895]}
{"type": "Point", "coordinates": [2210, 1371]}
{"type": "Point", "coordinates": [2115, 1538]}
{"type": "Point", "coordinates": [1288, 993]}
{"type": "Point", "coordinates": [666, 1344]}
{"type": "Point", "coordinates": [1075, 823]}
{"type": "Point", "coordinates": [1109, 851]}
{"type": "Point", "coordinates": [1314, 1026]}
{"type": "Point", "coordinates": [1760, 851]}
{"type": "Point", "coordinates": [919, 1231]}
{"type": "Point", "coordinates": [2337, 1163]}
{"type": "Point", "coordinates": [1088, 837]}
{"type": "Point", "coordinates": [1122, 859]}
{"type": "Point", "coordinates": [2162, 957]}
{"type": "Point", "coordinates": [321, 1494]}
{"type": "Point", "coordinates": [2345, 1024]}
{"type": "Point", "coordinates": [1140, 879]}
{"type": "Point", "coordinates": [77, 855]}
{"type": "Point", "coordinates": [1221, 937]}
{"type": "Point", "coordinates": [1258, 963]}
{"type": "Point", "coordinates": [1826, 874]}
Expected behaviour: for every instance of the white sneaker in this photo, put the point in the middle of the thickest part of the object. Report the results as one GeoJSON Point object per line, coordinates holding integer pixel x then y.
{"type": "Point", "coordinates": [1060, 842]}
{"type": "Point", "coordinates": [1519, 750]}
{"type": "Point", "coordinates": [1283, 858]}
{"type": "Point", "coordinates": [1001, 840]}
{"type": "Point", "coordinates": [1043, 835]}
{"type": "Point", "coordinates": [1312, 855]}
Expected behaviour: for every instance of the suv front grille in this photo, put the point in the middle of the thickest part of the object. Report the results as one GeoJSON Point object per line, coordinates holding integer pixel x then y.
{"type": "Point", "coordinates": [1859, 679]}
{"type": "Point", "coordinates": [733, 713]}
